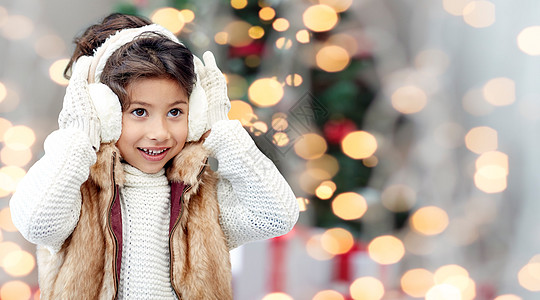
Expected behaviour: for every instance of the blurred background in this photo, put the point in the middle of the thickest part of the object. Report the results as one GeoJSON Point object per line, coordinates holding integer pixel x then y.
{"type": "Point", "coordinates": [408, 131]}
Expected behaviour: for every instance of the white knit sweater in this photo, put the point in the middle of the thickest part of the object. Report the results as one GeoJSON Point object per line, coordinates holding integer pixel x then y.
{"type": "Point", "coordinates": [255, 200]}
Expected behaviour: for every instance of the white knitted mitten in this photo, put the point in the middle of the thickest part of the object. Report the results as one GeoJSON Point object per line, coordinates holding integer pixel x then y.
{"type": "Point", "coordinates": [78, 111]}
{"type": "Point", "coordinates": [214, 85]}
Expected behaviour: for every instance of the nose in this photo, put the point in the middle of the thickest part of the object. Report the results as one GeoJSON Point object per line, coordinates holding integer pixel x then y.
{"type": "Point", "coordinates": [158, 130]}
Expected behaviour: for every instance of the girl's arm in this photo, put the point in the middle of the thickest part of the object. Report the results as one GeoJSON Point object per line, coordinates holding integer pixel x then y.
{"type": "Point", "coordinates": [46, 206]}
{"type": "Point", "coordinates": [255, 200]}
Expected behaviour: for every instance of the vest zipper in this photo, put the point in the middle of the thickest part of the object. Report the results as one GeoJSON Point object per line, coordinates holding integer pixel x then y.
{"type": "Point", "coordinates": [109, 226]}
{"type": "Point", "coordinates": [184, 191]}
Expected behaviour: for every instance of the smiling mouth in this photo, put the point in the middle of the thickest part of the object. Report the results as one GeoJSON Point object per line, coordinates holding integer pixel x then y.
{"type": "Point", "coordinates": [154, 154]}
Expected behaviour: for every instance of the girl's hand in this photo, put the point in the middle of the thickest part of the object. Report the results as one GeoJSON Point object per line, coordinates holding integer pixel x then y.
{"type": "Point", "coordinates": [78, 111]}
{"type": "Point", "coordinates": [215, 87]}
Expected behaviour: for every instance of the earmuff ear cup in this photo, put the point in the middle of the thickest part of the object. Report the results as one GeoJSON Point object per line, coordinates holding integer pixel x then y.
{"type": "Point", "coordinates": [109, 111]}
{"type": "Point", "coordinates": [198, 113]}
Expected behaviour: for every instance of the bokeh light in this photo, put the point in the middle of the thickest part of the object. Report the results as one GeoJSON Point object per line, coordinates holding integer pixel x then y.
{"type": "Point", "coordinates": [4, 126]}
{"type": "Point", "coordinates": [281, 24]}
{"type": "Point", "coordinates": [265, 92]}
{"type": "Point", "coordinates": [338, 5]}
{"type": "Point", "coordinates": [409, 99]}
{"type": "Point", "coordinates": [303, 36]}
{"type": "Point", "coordinates": [188, 15]}
{"type": "Point", "coordinates": [320, 18]}
{"type": "Point", "coordinates": [50, 46]}
{"type": "Point", "coordinates": [479, 14]}
{"type": "Point", "coordinates": [529, 276]}
{"type": "Point", "coordinates": [239, 4]}
{"type": "Point", "coordinates": [19, 137]}
{"type": "Point", "coordinates": [315, 249]}
{"type": "Point", "coordinates": [5, 220]}
{"type": "Point", "coordinates": [528, 40]}
{"type": "Point", "coordinates": [280, 139]}
{"type": "Point", "coordinates": [367, 288]}
{"type": "Point", "coordinates": [242, 111]}
{"type": "Point", "coordinates": [417, 282]}
{"type": "Point", "coordinates": [19, 158]}
{"type": "Point", "coordinates": [283, 43]}
{"type": "Point", "coordinates": [455, 7]}
{"type": "Point", "coordinates": [294, 79]}
{"type": "Point", "coordinates": [56, 71]}
{"type": "Point", "coordinates": [443, 292]}
{"type": "Point", "coordinates": [256, 32]}
{"type": "Point", "coordinates": [170, 18]}
{"type": "Point", "coordinates": [481, 139]}
{"type": "Point", "coordinates": [349, 206]}
{"type": "Point", "coordinates": [500, 91]}
{"type": "Point", "coordinates": [3, 92]}
{"type": "Point", "coordinates": [221, 38]}
{"type": "Point", "coordinates": [326, 164]}
{"type": "Point", "coordinates": [332, 58]}
{"type": "Point", "coordinates": [359, 144]}
{"type": "Point", "coordinates": [508, 297]}
{"type": "Point", "coordinates": [328, 295]}
{"type": "Point", "coordinates": [17, 27]}
{"type": "Point", "coordinates": [337, 241]}
{"type": "Point", "coordinates": [302, 203]}
{"type": "Point", "coordinates": [386, 249]}
{"type": "Point", "coordinates": [429, 220]}
{"type": "Point", "coordinates": [18, 263]}
{"type": "Point", "coordinates": [15, 290]}
{"type": "Point", "coordinates": [238, 33]}
{"type": "Point", "coordinates": [267, 13]}
{"type": "Point", "coordinates": [443, 273]}
{"type": "Point", "coordinates": [325, 190]}
{"type": "Point", "coordinates": [310, 146]}
{"type": "Point", "coordinates": [277, 296]}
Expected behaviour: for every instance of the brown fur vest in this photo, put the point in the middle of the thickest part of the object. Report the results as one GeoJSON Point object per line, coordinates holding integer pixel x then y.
{"type": "Point", "coordinates": [87, 265]}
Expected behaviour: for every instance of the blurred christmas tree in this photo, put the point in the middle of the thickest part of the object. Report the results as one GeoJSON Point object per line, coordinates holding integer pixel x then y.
{"type": "Point", "coordinates": [319, 57]}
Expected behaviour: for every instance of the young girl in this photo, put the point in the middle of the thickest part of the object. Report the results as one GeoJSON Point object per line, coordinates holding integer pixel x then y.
{"type": "Point", "coordinates": [123, 204]}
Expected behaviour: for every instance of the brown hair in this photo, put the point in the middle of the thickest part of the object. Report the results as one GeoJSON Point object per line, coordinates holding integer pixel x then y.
{"type": "Point", "coordinates": [151, 56]}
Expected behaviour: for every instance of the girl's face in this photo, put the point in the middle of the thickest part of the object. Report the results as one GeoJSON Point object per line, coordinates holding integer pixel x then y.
{"type": "Point", "coordinates": [155, 124]}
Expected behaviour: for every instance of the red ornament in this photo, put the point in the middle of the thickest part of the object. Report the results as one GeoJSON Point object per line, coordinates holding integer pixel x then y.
{"type": "Point", "coordinates": [336, 130]}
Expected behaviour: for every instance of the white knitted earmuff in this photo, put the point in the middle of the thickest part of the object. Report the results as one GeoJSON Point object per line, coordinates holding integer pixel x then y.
{"type": "Point", "coordinates": [106, 102]}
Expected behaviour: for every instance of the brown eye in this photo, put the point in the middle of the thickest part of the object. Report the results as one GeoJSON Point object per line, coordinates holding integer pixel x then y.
{"type": "Point", "coordinates": [139, 112]}
{"type": "Point", "coordinates": [174, 112]}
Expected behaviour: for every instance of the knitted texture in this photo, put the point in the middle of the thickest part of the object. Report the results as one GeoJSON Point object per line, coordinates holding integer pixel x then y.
{"type": "Point", "coordinates": [145, 205]}
{"type": "Point", "coordinates": [78, 110]}
{"type": "Point", "coordinates": [215, 87]}
{"type": "Point", "coordinates": [46, 206]}
{"type": "Point", "coordinates": [255, 200]}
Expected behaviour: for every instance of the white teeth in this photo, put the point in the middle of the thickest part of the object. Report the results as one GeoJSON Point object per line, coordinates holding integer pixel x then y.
{"type": "Point", "coordinates": [152, 152]}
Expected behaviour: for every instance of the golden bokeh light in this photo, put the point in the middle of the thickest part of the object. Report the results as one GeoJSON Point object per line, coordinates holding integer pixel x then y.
{"type": "Point", "coordinates": [489, 184]}
{"type": "Point", "coordinates": [56, 71]}
{"type": "Point", "coordinates": [367, 288]}
{"type": "Point", "coordinates": [310, 146]}
{"type": "Point", "coordinates": [50, 46]}
{"type": "Point", "coordinates": [492, 164]}
{"type": "Point", "coordinates": [277, 296]}
{"type": "Point", "coordinates": [4, 126]}
{"type": "Point", "coordinates": [280, 139]}
{"type": "Point", "coordinates": [19, 137]}
{"type": "Point", "coordinates": [294, 79]}
{"type": "Point", "coordinates": [5, 220]}
{"type": "Point", "coordinates": [302, 203]}
{"type": "Point", "coordinates": [500, 91]}
{"type": "Point", "coordinates": [326, 164]}
{"type": "Point", "coordinates": [442, 292]}
{"type": "Point", "coordinates": [283, 43]}
{"type": "Point", "coordinates": [221, 38]}
{"type": "Point", "coordinates": [10, 177]}
{"type": "Point", "coordinates": [170, 18]}
{"type": "Point", "coordinates": [325, 190]}
{"type": "Point", "coordinates": [310, 179]}
{"type": "Point", "coordinates": [444, 273]}
{"type": "Point", "coordinates": [349, 206]}
{"type": "Point", "coordinates": [303, 36]}
{"type": "Point", "coordinates": [15, 290]}
{"type": "Point", "coordinates": [315, 249]}
{"type": "Point", "coordinates": [239, 4]}
{"type": "Point", "coordinates": [18, 263]}
{"type": "Point", "coordinates": [479, 14]}
{"type": "Point", "coordinates": [481, 139]}
{"type": "Point", "coordinates": [455, 7]}
{"type": "Point", "coordinates": [279, 123]}
{"type": "Point", "coordinates": [320, 17]}
{"type": "Point", "coordinates": [371, 161]}
{"type": "Point", "coordinates": [417, 282]}
{"type": "Point", "coordinates": [258, 128]}
{"type": "Point", "coordinates": [409, 99]}
{"type": "Point", "coordinates": [529, 277]}
{"type": "Point", "coordinates": [386, 249]}
{"type": "Point", "coordinates": [265, 92]}
{"type": "Point", "coordinates": [242, 111]}
{"type": "Point", "coordinates": [6, 248]}
{"type": "Point", "coordinates": [332, 58]}
{"type": "Point", "coordinates": [508, 297]}
{"type": "Point", "coordinates": [359, 144]}
{"type": "Point", "coordinates": [528, 40]}
{"type": "Point", "coordinates": [429, 220]}
{"type": "Point", "coordinates": [17, 27]}
{"type": "Point", "coordinates": [256, 32]}
{"type": "Point", "coordinates": [19, 158]}
{"type": "Point", "coordinates": [328, 295]}
{"type": "Point", "coordinates": [267, 13]}
{"type": "Point", "coordinates": [338, 5]}
{"type": "Point", "coordinates": [238, 33]}
{"type": "Point", "coordinates": [281, 24]}
{"type": "Point", "coordinates": [398, 197]}
{"type": "Point", "coordinates": [337, 241]}
{"type": "Point", "coordinates": [3, 92]}
{"type": "Point", "coordinates": [188, 15]}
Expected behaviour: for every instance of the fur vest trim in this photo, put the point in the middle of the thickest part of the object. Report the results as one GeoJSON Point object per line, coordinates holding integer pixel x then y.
{"type": "Point", "coordinates": [86, 265]}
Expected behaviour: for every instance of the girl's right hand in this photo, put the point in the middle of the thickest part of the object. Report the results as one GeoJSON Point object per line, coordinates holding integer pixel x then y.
{"type": "Point", "coordinates": [78, 110]}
